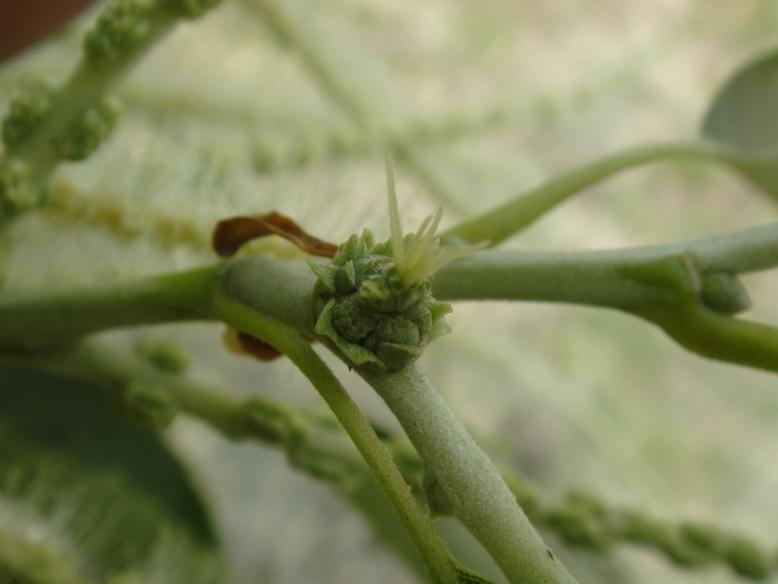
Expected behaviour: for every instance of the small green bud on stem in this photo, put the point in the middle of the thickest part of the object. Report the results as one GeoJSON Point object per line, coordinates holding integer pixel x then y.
{"type": "Point", "coordinates": [164, 355]}
{"type": "Point", "coordinates": [25, 112]}
{"type": "Point", "coordinates": [149, 405]}
{"type": "Point", "coordinates": [119, 30]}
{"type": "Point", "coordinates": [725, 293]}
{"type": "Point", "coordinates": [86, 133]}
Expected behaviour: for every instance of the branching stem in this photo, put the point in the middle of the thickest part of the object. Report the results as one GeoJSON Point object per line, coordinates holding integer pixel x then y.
{"type": "Point", "coordinates": [667, 284]}
{"type": "Point", "coordinates": [467, 480]}
{"type": "Point", "coordinates": [386, 473]}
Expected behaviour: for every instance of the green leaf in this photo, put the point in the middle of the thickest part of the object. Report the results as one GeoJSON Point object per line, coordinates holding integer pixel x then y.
{"type": "Point", "coordinates": [743, 113]}
{"type": "Point", "coordinates": [743, 118]}
{"type": "Point", "coordinates": [80, 422]}
{"type": "Point", "coordinates": [64, 523]}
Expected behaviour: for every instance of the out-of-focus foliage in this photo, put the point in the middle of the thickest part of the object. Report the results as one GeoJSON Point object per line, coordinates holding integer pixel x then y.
{"type": "Point", "coordinates": [222, 119]}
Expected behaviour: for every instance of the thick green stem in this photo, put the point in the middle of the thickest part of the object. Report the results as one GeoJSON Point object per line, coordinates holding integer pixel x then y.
{"type": "Point", "coordinates": [600, 278]}
{"type": "Point", "coordinates": [582, 519]}
{"type": "Point", "coordinates": [499, 224]}
{"type": "Point", "coordinates": [690, 290]}
{"type": "Point", "coordinates": [466, 479]}
{"type": "Point", "coordinates": [39, 320]}
{"type": "Point", "coordinates": [386, 473]}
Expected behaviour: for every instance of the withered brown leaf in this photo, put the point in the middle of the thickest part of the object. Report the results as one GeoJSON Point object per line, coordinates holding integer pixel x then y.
{"type": "Point", "coordinates": [230, 234]}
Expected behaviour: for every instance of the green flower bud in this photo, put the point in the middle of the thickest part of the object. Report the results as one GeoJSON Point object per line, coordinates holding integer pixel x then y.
{"type": "Point", "coordinates": [86, 133]}
{"type": "Point", "coordinates": [370, 316]}
{"type": "Point", "coordinates": [725, 293]}
{"type": "Point", "coordinates": [25, 112]}
{"type": "Point", "coordinates": [119, 30]}
{"type": "Point", "coordinates": [374, 301]}
{"type": "Point", "coordinates": [579, 525]}
{"type": "Point", "coordinates": [273, 423]}
{"type": "Point", "coordinates": [163, 355]}
{"type": "Point", "coordinates": [149, 405]}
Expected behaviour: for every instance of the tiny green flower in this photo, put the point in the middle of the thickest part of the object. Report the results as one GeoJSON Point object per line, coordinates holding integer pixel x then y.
{"type": "Point", "coordinates": [374, 300]}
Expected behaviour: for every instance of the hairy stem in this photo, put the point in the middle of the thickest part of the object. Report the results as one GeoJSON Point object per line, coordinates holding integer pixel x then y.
{"type": "Point", "coordinates": [313, 446]}
{"type": "Point", "coordinates": [600, 278]}
{"type": "Point", "coordinates": [467, 480]}
{"type": "Point", "coordinates": [641, 281]}
{"type": "Point", "coordinates": [40, 320]}
{"type": "Point", "coordinates": [690, 290]}
{"type": "Point", "coordinates": [510, 218]}
{"type": "Point", "coordinates": [386, 473]}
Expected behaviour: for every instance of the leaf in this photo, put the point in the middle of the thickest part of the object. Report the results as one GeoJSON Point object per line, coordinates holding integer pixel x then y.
{"type": "Point", "coordinates": [743, 118]}
{"type": "Point", "coordinates": [66, 524]}
{"type": "Point", "coordinates": [78, 421]}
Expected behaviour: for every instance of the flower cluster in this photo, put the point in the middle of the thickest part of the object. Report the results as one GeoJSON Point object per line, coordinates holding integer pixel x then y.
{"type": "Point", "coordinates": [374, 300]}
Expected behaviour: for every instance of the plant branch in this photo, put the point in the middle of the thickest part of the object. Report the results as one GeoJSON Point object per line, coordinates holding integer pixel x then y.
{"type": "Point", "coordinates": [600, 278]}
{"type": "Point", "coordinates": [679, 286]}
{"type": "Point", "coordinates": [39, 320]}
{"type": "Point", "coordinates": [121, 36]}
{"type": "Point", "coordinates": [465, 481]}
{"type": "Point", "coordinates": [690, 290]}
{"type": "Point", "coordinates": [386, 473]}
{"type": "Point", "coordinates": [316, 447]}
{"type": "Point", "coordinates": [510, 218]}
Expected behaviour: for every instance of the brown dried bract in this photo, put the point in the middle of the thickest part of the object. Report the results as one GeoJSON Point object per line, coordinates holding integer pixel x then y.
{"type": "Point", "coordinates": [230, 234]}
{"type": "Point", "coordinates": [245, 344]}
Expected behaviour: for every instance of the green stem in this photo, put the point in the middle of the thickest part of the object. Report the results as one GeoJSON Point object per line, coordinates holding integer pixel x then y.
{"type": "Point", "coordinates": [467, 481]}
{"type": "Point", "coordinates": [599, 278]}
{"type": "Point", "coordinates": [85, 88]}
{"type": "Point", "coordinates": [39, 320]}
{"type": "Point", "coordinates": [619, 279]}
{"type": "Point", "coordinates": [499, 224]}
{"type": "Point", "coordinates": [690, 290]}
{"type": "Point", "coordinates": [581, 519]}
{"type": "Point", "coordinates": [299, 351]}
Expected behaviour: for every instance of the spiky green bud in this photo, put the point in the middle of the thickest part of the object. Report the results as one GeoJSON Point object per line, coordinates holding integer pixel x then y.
{"type": "Point", "coordinates": [363, 306]}
{"type": "Point", "coordinates": [120, 29]}
{"type": "Point", "coordinates": [25, 112]}
{"type": "Point", "coordinates": [374, 300]}
{"type": "Point", "coordinates": [85, 134]}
